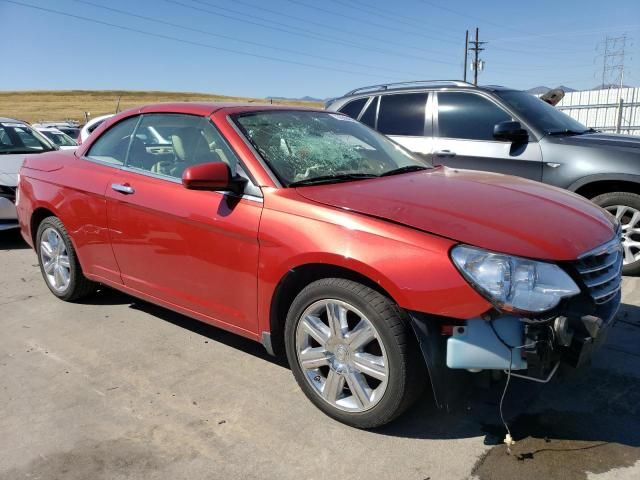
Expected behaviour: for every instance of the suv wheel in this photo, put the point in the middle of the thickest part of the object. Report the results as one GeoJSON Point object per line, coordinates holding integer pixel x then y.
{"type": "Point", "coordinates": [350, 352]}
{"type": "Point", "coordinates": [58, 262]}
{"type": "Point", "coordinates": [626, 208]}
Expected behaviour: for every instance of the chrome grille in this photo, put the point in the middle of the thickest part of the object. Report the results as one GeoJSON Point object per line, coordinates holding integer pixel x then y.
{"type": "Point", "coordinates": [601, 271]}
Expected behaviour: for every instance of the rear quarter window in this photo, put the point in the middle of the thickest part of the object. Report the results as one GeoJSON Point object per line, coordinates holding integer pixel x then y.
{"type": "Point", "coordinates": [354, 107]}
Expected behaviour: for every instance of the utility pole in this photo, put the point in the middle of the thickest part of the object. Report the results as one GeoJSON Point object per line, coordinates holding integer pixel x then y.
{"type": "Point", "coordinates": [466, 52]}
{"type": "Point", "coordinates": [476, 49]}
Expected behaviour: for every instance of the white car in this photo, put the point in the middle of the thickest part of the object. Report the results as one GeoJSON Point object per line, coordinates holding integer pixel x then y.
{"type": "Point", "coordinates": [17, 139]}
{"type": "Point", "coordinates": [62, 140]}
{"type": "Point", "coordinates": [91, 125]}
{"type": "Point", "coordinates": [150, 135]}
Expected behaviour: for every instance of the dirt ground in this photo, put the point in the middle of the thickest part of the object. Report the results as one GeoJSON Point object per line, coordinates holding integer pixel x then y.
{"type": "Point", "coordinates": [35, 106]}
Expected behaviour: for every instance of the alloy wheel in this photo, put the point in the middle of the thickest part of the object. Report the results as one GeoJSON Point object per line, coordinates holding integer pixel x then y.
{"type": "Point", "coordinates": [55, 260]}
{"type": "Point", "coordinates": [341, 355]}
{"type": "Point", "coordinates": [629, 219]}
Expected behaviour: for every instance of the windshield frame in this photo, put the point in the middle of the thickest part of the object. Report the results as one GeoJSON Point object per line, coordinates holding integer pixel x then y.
{"type": "Point", "coordinates": [534, 120]}
{"type": "Point", "coordinates": [273, 172]}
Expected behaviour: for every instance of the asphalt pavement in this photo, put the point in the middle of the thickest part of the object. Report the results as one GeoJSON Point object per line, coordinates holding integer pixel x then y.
{"type": "Point", "coordinates": [116, 388]}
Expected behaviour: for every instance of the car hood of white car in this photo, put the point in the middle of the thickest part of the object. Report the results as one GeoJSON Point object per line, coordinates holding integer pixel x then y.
{"type": "Point", "coordinates": [9, 169]}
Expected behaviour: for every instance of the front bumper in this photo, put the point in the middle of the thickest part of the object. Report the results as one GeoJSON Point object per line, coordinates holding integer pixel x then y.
{"type": "Point", "coordinates": [8, 214]}
{"type": "Point", "coordinates": [533, 346]}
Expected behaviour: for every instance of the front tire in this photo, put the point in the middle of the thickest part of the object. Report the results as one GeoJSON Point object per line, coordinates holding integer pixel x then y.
{"type": "Point", "coordinates": [352, 354]}
{"type": "Point", "coordinates": [626, 208]}
{"type": "Point", "coordinates": [59, 263]}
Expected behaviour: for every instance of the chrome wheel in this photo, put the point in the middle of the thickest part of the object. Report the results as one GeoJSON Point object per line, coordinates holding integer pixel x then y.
{"type": "Point", "coordinates": [55, 260]}
{"type": "Point", "coordinates": [629, 219]}
{"type": "Point", "coordinates": [341, 355]}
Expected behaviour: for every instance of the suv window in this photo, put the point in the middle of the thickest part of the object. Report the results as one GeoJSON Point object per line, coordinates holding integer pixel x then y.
{"type": "Point", "coordinates": [468, 116]}
{"type": "Point", "coordinates": [166, 144]}
{"type": "Point", "coordinates": [112, 145]}
{"type": "Point", "coordinates": [402, 114]}
{"type": "Point", "coordinates": [354, 107]}
{"type": "Point", "coordinates": [369, 115]}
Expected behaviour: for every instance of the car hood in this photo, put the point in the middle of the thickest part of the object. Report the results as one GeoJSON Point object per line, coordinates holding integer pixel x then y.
{"type": "Point", "coordinates": [602, 140]}
{"type": "Point", "coordinates": [9, 168]}
{"type": "Point", "coordinates": [496, 212]}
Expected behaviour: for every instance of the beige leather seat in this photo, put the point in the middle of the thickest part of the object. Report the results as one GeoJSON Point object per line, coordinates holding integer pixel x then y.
{"type": "Point", "coordinates": [189, 148]}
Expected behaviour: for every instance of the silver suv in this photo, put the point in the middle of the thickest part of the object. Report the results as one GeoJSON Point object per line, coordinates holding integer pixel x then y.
{"type": "Point", "coordinates": [502, 130]}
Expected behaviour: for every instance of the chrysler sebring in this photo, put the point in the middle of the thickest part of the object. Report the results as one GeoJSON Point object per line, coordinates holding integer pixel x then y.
{"type": "Point", "coordinates": [374, 271]}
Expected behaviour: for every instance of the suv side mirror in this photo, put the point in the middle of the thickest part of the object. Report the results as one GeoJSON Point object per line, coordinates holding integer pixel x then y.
{"type": "Point", "coordinates": [510, 132]}
{"type": "Point", "coordinates": [214, 176]}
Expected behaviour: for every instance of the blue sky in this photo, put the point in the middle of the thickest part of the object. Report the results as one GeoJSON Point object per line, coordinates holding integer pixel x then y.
{"type": "Point", "coordinates": [305, 47]}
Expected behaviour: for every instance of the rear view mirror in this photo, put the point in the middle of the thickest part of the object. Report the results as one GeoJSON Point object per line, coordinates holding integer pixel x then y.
{"type": "Point", "coordinates": [214, 176]}
{"type": "Point", "coordinates": [510, 132]}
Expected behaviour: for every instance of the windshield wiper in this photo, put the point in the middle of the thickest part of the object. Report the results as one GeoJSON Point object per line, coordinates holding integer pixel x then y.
{"type": "Point", "coordinates": [405, 169]}
{"type": "Point", "coordinates": [344, 177]}
{"type": "Point", "coordinates": [566, 131]}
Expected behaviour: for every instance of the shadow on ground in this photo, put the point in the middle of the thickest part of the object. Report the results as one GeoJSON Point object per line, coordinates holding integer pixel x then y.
{"type": "Point", "coordinates": [12, 240]}
{"type": "Point", "coordinates": [583, 421]}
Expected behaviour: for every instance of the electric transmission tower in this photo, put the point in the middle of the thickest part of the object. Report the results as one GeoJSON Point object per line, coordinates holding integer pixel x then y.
{"type": "Point", "coordinates": [614, 50]}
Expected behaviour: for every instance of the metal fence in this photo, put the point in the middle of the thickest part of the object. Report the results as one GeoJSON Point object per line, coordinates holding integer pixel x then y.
{"type": "Point", "coordinates": [609, 110]}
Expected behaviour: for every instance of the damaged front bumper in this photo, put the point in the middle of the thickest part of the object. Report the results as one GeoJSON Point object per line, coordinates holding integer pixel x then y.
{"type": "Point", "coordinates": [529, 348]}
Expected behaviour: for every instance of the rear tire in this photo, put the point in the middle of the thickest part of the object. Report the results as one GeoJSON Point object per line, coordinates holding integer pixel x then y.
{"type": "Point", "coordinates": [59, 263]}
{"type": "Point", "coordinates": [345, 335]}
{"type": "Point", "coordinates": [626, 208]}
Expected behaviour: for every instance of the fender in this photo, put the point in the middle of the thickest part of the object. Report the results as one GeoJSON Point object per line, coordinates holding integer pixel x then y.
{"type": "Point", "coordinates": [600, 177]}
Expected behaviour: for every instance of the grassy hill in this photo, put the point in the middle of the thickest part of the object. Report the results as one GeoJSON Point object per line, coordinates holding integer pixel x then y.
{"type": "Point", "coordinates": [34, 106]}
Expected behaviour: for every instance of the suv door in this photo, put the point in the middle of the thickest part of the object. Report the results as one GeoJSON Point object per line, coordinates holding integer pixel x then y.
{"type": "Point", "coordinates": [197, 250]}
{"type": "Point", "coordinates": [403, 117]}
{"type": "Point", "coordinates": [464, 137]}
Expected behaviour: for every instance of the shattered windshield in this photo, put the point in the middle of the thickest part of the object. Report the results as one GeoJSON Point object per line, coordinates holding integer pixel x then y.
{"type": "Point", "coordinates": [312, 147]}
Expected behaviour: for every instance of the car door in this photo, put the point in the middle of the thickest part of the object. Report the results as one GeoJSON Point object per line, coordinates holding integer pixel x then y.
{"type": "Point", "coordinates": [464, 137]}
{"type": "Point", "coordinates": [403, 117]}
{"type": "Point", "coordinates": [197, 250]}
{"type": "Point", "coordinates": [88, 180]}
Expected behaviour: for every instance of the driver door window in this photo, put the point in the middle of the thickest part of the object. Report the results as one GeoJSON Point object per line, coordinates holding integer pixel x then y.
{"type": "Point", "coordinates": [166, 144]}
{"type": "Point", "coordinates": [113, 144]}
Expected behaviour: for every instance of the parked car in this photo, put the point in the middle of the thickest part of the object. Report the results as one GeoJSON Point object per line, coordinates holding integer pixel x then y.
{"type": "Point", "coordinates": [312, 233]}
{"type": "Point", "coordinates": [88, 128]}
{"type": "Point", "coordinates": [502, 130]}
{"type": "Point", "coordinates": [17, 140]}
{"type": "Point", "coordinates": [62, 140]}
{"type": "Point", "coordinates": [68, 127]}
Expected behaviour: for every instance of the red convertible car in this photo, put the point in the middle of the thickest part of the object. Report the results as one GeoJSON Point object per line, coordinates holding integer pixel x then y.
{"type": "Point", "coordinates": [373, 270]}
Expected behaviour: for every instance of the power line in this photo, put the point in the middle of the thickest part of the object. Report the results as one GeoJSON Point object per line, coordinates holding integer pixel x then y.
{"type": "Point", "coordinates": [248, 42]}
{"type": "Point", "coordinates": [269, 24]}
{"type": "Point", "coordinates": [359, 20]}
{"type": "Point", "coordinates": [187, 42]}
{"type": "Point", "coordinates": [340, 30]}
{"type": "Point", "coordinates": [360, 7]}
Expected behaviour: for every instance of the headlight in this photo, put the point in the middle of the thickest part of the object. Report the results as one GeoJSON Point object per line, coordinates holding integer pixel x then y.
{"type": "Point", "coordinates": [514, 283]}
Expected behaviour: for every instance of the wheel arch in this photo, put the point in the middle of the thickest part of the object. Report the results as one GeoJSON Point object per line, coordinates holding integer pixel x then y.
{"type": "Point", "coordinates": [594, 185]}
{"type": "Point", "coordinates": [38, 215]}
{"type": "Point", "coordinates": [293, 282]}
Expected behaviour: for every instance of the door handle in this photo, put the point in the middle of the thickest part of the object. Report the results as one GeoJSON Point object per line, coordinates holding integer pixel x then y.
{"type": "Point", "coordinates": [122, 188]}
{"type": "Point", "coordinates": [444, 153]}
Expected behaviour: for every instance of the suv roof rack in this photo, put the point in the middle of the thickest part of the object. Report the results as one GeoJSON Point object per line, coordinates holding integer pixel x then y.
{"type": "Point", "coordinates": [426, 83]}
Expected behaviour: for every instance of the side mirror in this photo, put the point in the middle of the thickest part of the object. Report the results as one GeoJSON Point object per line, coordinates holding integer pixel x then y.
{"type": "Point", "coordinates": [212, 176]}
{"type": "Point", "coordinates": [510, 132]}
